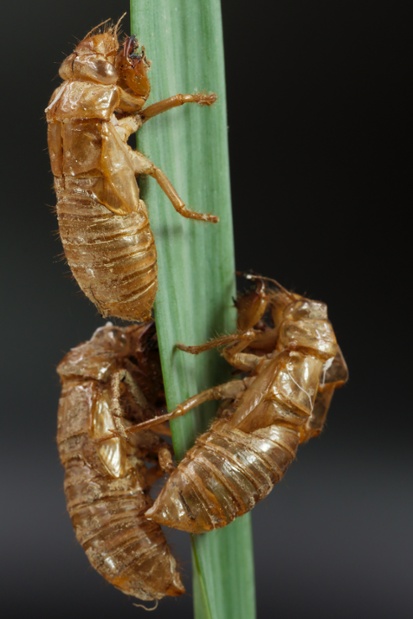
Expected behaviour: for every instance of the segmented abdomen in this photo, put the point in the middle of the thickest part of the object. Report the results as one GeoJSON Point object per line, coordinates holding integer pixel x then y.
{"type": "Point", "coordinates": [107, 512]}
{"type": "Point", "coordinates": [224, 475]}
{"type": "Point", "coordinates": [112, 257]}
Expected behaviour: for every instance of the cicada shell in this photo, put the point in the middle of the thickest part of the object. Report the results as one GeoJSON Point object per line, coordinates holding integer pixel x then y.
{"type": "Point", "coordinates": [109, 383]}
{"type": "Point", "coordinates": [286, 347]}
{"type": "Point", "coordinates": [103, 223]}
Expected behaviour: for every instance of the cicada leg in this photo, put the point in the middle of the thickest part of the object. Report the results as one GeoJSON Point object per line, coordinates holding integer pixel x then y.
{"type": "Point", "coordinates": [230, 390]}
{"type": "Point", "coordinates": [233, 344]}
{"type": "Point", "coordinates": [143, 165]}
{"type": "Point", "coordinates": [164, 463]}
{"type": "Point", "coordinates": [175, 101]}
{"type": "Point", "coordinates": [120, 429]}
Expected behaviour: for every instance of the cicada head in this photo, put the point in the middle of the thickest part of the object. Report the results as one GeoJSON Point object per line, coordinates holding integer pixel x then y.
{"type": "Point", "coordinates": [94, 58]}
{"type": "Point", "coordinates": [107, 350]}
{"type": "Point", "coordinates": [132, 66]}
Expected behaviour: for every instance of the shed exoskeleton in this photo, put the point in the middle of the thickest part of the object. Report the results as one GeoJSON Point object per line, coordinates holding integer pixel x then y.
{"type": "Point", "coordinates": [103, 223]}
{"type": "Point", "coordinates": [111, 382]}
{"type": "Point", "coordinates": [286, 348]}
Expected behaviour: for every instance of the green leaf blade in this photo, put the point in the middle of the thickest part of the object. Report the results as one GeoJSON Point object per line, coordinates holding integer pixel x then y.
{"type": "Point", "coordinates": [183, 41]}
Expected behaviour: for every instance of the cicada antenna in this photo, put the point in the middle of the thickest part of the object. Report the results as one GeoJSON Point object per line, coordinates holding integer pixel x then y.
{"type": "Point", "coordinates": [105, 21]}
{"type": "Point", "coordinates": [114, 28]}
{"type": "Point", "coordinates": [117, 25]}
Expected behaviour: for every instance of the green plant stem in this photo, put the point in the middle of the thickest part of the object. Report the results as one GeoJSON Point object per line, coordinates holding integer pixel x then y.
{"type": "Point", "coordinates": [183, 41]}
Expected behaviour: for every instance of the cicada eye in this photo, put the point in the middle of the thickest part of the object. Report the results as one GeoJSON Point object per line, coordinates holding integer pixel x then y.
{"type": "Point", "coordinates": [117, 340]}
{"type": "Point", "coordinates": [105, 71]}
{"type": "Point", "coordinates": [110, 337]}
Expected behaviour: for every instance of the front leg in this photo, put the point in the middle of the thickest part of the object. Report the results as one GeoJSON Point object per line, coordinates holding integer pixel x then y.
{"type": "Point", "coordinates": [176, 101]}
{"type": "Point", "coordinates": [119, 378]}
{"type": "Point", "coordinates": [234, 345]}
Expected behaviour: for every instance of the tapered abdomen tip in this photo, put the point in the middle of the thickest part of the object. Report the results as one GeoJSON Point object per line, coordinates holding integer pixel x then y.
{"type": "Point", "coordinates": [175, 514]}
{"type": "Point", "coordinates": [188, 504]}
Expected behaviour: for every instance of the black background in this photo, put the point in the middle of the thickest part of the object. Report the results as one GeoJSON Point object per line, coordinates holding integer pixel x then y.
{"type": "Point", "coordinates": [318, 116]}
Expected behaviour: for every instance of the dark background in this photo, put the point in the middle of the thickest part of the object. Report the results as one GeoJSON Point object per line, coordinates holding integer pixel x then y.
{"type": "Point", "coordinates": [318, 115]}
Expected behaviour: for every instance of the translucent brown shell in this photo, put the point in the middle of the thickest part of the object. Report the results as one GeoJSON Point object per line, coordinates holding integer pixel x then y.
{"type": "Point", "coordinates": [103, 222]}
{"type": "Point", "coordinates": [109, 383]}
{"type": "Point", "coordinates": [287, 350]}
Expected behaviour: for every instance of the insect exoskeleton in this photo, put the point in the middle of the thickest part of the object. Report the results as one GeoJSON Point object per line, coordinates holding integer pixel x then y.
{"type": "Point", "coordinates": [109, 383]}
{"type": "Point", "coordinates": [103, 223]}
{"type": "Point", "coordinates": [286, 347]}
